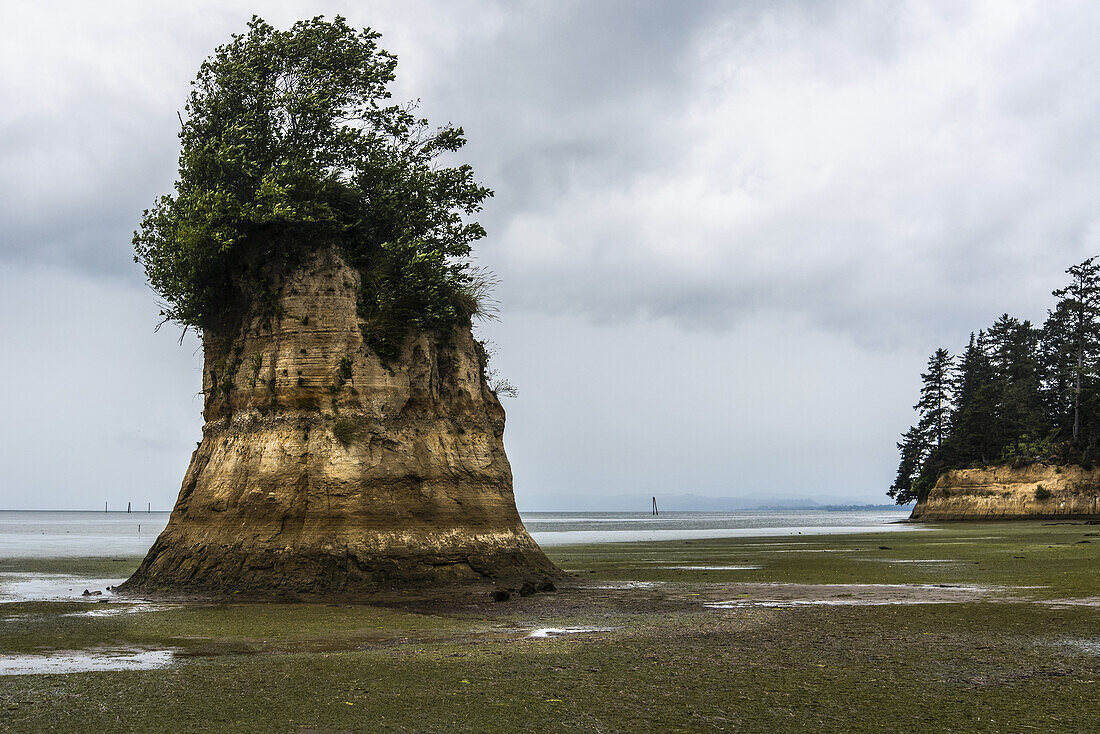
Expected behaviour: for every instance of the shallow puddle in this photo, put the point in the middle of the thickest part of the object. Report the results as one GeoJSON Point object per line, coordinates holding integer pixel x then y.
{"type": "Point", "coordinates": [712, 568]}
{"type": "Point", "coordinates": [84, 661]}
{"type": "Point", "coordinates": [784, 596]}
{"type": "Point", "coordinates": [116, 608]}
{"type": "Point", "coordinates": [17, 587]}
{"type": "Point", "coordinates": [911, 560]}
{"type": "Point", "coordinates": [791, 603]}
{"type": "Point", "coordinates": [786, 542]}
{"type": "Point", "coordinates": [560, 631]}
{"type": "Point", "coordinates": [1092, 647]}
{"type": "Point", "coordinates": [814, 550]}
{"type": "Point", "coordinates": [623, 585]}
{"type": "Point", "coordinates": [1088, 601]}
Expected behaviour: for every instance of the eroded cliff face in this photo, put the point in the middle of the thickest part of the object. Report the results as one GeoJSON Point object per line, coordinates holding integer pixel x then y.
{"type": "Point", "coordinates": [1007, 493]}
{"type": "Point", "coordinates": [323, 471]}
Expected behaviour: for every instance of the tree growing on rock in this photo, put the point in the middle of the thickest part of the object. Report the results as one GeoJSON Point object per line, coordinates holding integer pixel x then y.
{"type": "Point", "coordinates": [922, 442]}
{"type": "Point", "coordinates": [934, 406]}
{"type": "Point", "coordinates": [291, 142]}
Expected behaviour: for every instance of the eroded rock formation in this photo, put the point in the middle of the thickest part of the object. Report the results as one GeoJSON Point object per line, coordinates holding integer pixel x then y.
{"type": "Point", "coordinates": [324, 471]}
{"type": "Point", "coordinates": [1037, 491]}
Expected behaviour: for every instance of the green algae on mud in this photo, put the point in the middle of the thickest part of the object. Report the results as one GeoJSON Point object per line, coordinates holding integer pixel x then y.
{"type": "Point", "coordinates": [92, 566]}
{"type": "Point", "coordinates": [1014, 649]}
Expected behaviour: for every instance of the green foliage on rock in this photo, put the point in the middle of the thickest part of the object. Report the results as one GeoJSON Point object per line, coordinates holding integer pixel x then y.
{"type": "Point", "coordinates": [291, 144]}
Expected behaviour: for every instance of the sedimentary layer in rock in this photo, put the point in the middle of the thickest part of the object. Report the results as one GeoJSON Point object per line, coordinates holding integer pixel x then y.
{"type": "Point", "coordinates": [323, 470]}
{"type": "Point", "coordinates": [1013, 493]}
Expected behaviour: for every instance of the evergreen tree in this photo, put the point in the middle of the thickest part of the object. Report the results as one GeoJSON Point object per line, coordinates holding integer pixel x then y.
{"type": "Point", "coordinates": [922, 442]}
{"type": "Point", "coordinates": [1014, 359]}
{"type": "Point", "coordinates": [914, 449]}
{"type": "Point", "coordinates": [975, 412]}
{"type": "Point", "coordinates": [1058, 376]}
{"type": "Point", "coordinates": [934, 406]}
{"type": "Point", "coordinates": [1073, 337]}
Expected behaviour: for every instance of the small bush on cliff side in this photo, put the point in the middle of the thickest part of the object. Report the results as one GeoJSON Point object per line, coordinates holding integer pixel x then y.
{"type": "Point", "coordinates": [257, 365]}
{"type": "Point", "coordinates": [1042, 493]}
{"type": "Point", "coordinates": [498, 385]}
{"type": "Point", "coordinates": [289, 144]}
{"type": "Point", "coordinates": [345, 430]}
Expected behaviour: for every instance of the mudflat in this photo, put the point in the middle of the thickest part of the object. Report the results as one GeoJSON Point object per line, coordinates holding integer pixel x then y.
{"type": "Point", "coordinates": [957, 627]}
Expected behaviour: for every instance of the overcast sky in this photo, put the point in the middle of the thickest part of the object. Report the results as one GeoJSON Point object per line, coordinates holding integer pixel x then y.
{"type": "Point", "coordinates": [728, 234]}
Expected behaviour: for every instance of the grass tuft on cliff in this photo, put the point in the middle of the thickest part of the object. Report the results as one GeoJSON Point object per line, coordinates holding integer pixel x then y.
{"type": "Point", "coordinates": [345, 430]}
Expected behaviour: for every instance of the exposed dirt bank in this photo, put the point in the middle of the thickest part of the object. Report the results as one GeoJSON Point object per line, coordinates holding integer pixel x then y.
{"type": "Point", "coordinates": [1038, 491]}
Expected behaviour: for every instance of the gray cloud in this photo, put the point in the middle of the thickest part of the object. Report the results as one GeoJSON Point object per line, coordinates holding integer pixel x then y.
{"type": "Point", "coordinates": [723, 230]}
{"type": "Point", "coordinates": [869, 168]}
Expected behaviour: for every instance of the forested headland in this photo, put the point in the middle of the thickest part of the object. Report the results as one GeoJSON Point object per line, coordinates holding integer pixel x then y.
{"type": "Point", "coordinates": [1017, 394]}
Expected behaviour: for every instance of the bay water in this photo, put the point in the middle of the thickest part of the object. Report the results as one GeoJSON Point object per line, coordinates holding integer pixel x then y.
{"type": "Point", "coordinates": [43, 534]}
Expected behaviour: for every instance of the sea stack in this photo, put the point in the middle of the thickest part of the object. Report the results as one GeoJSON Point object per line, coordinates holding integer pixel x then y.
{"type": "Point", "coordinates": [325, 470]}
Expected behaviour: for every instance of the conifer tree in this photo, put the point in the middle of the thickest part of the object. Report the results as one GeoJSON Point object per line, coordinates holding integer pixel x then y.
{"type": "Point", "coordinates": [935, 404]}
{"type": "Point", "coordinates": [1073, 333]}
{"type": "Point", "coordinates": [1013, 356]}
{"type": "Point", "coordinates": [975, 406]}
{"type": "Point", "coordinates": [1058, 375]}
{"type": "Point", "coordinates": [921, 442]}
{"type": "Point", "coordinates": [914, 449]}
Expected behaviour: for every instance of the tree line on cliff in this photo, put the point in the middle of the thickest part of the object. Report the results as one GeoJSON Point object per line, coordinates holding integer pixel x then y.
{"type": "Point", "coordinates": [1017, 394]}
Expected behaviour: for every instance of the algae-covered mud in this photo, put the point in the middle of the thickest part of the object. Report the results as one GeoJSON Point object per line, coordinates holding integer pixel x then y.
{"type": "Point", "coordinates": [980, 627]}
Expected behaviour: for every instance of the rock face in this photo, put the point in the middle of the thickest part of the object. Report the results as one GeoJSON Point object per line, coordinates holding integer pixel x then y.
{"type": "Point", "coordinates": [1038, 491]}
{"type": "Point", "coordinates": [323, 471]}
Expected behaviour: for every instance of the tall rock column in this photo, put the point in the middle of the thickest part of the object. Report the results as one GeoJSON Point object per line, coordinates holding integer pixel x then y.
{"type": "Point", "coordinates": [324, 471]}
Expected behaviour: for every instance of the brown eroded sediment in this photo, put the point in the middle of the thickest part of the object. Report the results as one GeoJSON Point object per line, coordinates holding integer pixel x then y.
{"type": "Point", "coordinates": [1036, 491]}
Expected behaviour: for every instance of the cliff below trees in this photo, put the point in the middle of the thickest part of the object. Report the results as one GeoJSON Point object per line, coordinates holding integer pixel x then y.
{"type": "Point", "coordinates": [1037, 491]}
{"type": "Point", "coordinates": [324, 471]}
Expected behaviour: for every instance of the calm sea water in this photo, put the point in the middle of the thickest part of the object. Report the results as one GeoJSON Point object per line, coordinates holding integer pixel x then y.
{"type": "Point", "coordinates": [29, 534]}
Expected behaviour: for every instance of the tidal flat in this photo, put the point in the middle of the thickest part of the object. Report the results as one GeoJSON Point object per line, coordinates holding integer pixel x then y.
{"type": "Point", "coordinates": [991, 627]}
